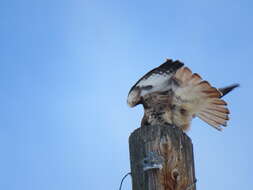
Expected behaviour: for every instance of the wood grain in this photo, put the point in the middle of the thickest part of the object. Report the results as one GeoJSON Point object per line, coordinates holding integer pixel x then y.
{"type": "Point", "coordinates": [174, 146]}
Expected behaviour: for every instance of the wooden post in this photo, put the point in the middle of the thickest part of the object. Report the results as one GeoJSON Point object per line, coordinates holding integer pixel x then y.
{"type": "Point", "coordinates": [161, 159]}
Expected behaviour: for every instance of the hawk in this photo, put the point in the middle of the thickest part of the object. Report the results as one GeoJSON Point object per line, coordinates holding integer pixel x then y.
{"type": "Point", "coordinates": [172, 94]}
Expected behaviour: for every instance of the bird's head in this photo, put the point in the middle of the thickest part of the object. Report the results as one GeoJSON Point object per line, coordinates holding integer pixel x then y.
{"type": "Point", "coordinates": [134, 97]}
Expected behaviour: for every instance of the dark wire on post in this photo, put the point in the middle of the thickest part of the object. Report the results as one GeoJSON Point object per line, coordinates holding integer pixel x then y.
{"type": "Point", "coordinates": [123, 180]}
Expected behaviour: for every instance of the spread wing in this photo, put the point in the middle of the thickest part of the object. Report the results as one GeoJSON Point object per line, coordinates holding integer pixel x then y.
{"type": "Point", "coordinates": [156, 80]}
{"type": "Point", "coordinates": [201, 99]}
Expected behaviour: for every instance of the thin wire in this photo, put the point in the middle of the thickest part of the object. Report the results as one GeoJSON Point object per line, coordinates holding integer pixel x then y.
{"type": "Point", "coordinates": [123, 180]}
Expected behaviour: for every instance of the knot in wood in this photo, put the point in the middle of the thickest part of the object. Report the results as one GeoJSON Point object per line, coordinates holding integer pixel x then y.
{"type": "Point", "coordinates": [175, 174]}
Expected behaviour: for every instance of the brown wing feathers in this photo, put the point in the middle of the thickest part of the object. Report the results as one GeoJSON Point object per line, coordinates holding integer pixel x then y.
{"type": "Point", "coordinates": [209, 107]}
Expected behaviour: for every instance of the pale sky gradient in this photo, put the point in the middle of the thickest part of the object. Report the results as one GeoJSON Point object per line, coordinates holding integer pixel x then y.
{"type": "Point", "coordinates": [65, 70]}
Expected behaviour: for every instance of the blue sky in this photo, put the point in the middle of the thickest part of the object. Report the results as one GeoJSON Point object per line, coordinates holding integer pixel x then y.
{"type": "Point", "coordinates": [65, 71]}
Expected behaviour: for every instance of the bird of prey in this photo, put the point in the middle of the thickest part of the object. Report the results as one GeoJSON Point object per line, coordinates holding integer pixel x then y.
{"type": "Point", "coordinates": [172, 94]}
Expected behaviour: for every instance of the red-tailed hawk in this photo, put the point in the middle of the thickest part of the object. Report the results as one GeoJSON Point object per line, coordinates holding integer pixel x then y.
{"type": "Point", "coordinates": [172, 94]}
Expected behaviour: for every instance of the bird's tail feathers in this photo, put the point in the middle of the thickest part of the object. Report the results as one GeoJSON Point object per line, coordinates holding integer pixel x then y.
{"type": "Point", "coordinates": [210, 107]}
{"type": "Point", "coordinates": [213, 110]}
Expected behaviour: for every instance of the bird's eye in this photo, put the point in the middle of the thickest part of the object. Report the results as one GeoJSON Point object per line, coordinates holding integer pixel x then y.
{"type": "Point", "coordinates": [173, 106]}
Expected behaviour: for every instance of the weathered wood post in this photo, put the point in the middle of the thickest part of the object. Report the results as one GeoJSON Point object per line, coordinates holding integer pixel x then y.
{"type": "Point", "coordinates": [161, 159]}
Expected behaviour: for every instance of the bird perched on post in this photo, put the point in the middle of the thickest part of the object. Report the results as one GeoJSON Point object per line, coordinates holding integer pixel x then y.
{"type": "Point", "coordinates": [172, 94]}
